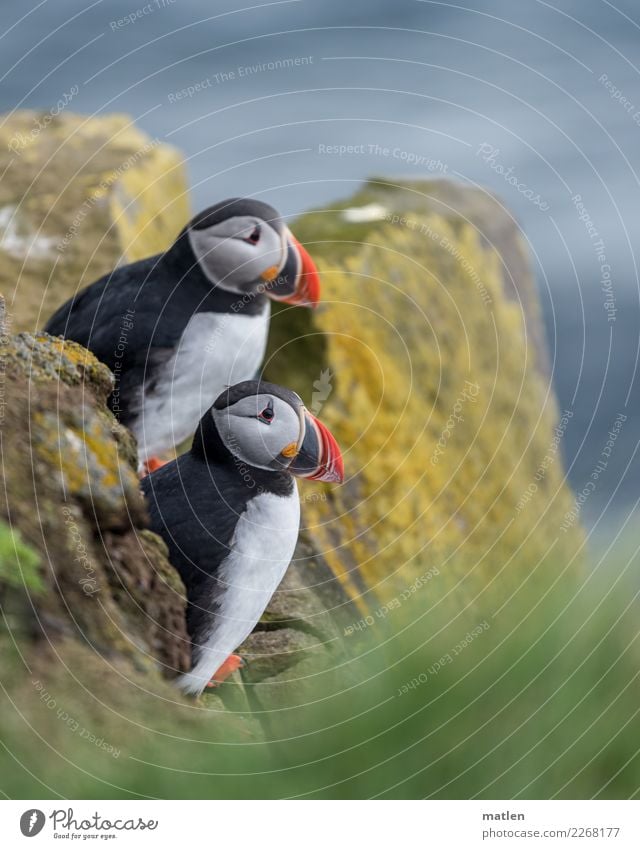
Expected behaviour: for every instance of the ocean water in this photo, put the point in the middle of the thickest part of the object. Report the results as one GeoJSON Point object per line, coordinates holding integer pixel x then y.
{"type": "Point", "coordinates": [538, 101]}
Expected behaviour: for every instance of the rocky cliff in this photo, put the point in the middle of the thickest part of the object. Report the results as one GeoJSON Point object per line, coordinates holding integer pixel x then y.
{"type": "Point", "coordinates": [426, 359]}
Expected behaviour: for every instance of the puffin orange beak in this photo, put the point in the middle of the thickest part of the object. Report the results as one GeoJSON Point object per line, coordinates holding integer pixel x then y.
{"type": "Point", "coordinates": [319, 457]}
{"type": "Point", "coordinates": [299, 282]}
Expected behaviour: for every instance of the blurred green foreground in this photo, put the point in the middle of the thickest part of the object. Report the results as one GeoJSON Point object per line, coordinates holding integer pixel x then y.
{"type": "Point", "coordinates": [539, 699]}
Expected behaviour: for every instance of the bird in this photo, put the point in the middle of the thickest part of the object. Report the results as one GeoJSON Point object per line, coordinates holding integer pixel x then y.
{"type": "Point", "coordinates": [229, 512]}
{"type": "Point", "coordinates": [178, 327]}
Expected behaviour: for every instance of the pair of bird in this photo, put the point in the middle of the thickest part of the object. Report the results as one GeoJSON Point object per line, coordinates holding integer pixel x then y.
{"type": "Point", "coordinates": [184, 333]}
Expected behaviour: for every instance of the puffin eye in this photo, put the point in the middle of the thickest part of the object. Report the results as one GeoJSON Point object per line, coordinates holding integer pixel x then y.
{"type": "Point", "coordinates": [254, 238]}
{"type": "Point", "coordinates": [267, 415]}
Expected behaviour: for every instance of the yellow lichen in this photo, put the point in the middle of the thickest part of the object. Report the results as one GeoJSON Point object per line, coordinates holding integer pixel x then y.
{"type": "Point", "coordinates": [80, 446]}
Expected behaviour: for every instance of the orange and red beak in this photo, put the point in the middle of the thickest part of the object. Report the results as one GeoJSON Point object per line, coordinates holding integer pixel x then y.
{"type": "Point", "coordinates": [299, 282]}
{"type": "Point", "coordinates": [319, 457]}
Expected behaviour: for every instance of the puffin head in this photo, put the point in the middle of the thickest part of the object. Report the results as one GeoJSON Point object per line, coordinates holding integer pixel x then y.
{"type": "Point", "coordinates": [268, 427]}
{"type": "Point", "coordinates": [243, 246]}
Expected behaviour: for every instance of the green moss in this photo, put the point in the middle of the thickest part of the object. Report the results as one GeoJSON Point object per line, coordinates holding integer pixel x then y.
{"type": "Point", "coordinates": [19, 563]}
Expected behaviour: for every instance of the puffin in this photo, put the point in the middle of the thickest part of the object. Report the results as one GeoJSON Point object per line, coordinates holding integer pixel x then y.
{"type": "Point", "coordinates": [229, 512]}
{"type": "Point", "coordinates": [178, 327]}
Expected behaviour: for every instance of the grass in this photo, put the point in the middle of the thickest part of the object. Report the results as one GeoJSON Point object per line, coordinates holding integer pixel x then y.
{"type": "Point", "coordinates": [536, 700]}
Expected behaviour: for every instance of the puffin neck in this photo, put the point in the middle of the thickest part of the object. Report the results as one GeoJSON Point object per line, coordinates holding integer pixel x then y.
{"type": "Point", "coordinates": [207, 444]}
{"type": "Point", "coordinates": [180, 257]}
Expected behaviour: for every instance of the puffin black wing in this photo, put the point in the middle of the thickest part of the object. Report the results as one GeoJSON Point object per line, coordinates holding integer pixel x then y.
{"type": "Point", "coordinates": [195, 512]}
{"type": "Point", "coordinates": [132, 320]}
{"type": "Point", "coordinates": [117, 316]}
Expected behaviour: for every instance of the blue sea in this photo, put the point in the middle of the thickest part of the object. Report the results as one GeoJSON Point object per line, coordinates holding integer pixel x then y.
{"type": "Point", "coordinates": [539, 101]}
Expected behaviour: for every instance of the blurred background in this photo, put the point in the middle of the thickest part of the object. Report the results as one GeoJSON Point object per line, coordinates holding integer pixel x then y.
{"type": "Point", "coordinates": [298, 102]}
{"type": "Point", "coordinates": [537, 101]}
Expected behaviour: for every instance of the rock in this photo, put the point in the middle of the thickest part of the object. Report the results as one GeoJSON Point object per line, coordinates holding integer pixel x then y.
{"type": "Point", "coordinates": [72, 495]}
{"type": "Point", "coordinates": [426, 359]}
{"type": "Point", "coordinates": [298, 646]}
{"type": "Point", "coordinates": [76, 199]}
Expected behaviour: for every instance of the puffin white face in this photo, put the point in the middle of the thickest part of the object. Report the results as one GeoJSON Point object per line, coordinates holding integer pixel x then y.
{"type": "Point", "coordinates": [262, 430]}
{"type": "Point", "coordinates": [268, 427]}
{"type": "Point", "coordinates": [240, 251]}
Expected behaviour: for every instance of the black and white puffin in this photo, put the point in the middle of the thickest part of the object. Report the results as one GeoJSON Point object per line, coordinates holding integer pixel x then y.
{"type": "Point", "coordinates": [229, 512]}
{"type": "Point", "coordinates": [176, 328]}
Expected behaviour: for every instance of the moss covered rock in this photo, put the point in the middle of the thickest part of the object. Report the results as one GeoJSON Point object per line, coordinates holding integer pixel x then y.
{"type": "Point", "coordinates": [76, 199]}
{"type": "Point", "coordinates": [72, 498]}
{"type": "Point", "coordinates": [426, 359]}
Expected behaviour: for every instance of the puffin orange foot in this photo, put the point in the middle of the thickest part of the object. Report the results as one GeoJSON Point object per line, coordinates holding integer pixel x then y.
{"type": "Point", "coordinates": [231, 665]}
{"type": "Point", "coordinates": [151, 465]}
